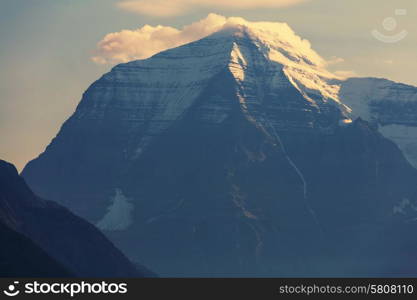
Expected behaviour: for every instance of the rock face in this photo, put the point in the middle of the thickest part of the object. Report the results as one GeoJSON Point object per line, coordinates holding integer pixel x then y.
{"type": "Point", "coordinates": [234, 156]}
{"type": "Point", "coordinates": [40, 231]}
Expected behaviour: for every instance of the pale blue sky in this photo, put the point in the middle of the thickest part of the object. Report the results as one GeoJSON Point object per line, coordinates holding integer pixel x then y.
{"type": "Point", "coordinates": [46, 48]}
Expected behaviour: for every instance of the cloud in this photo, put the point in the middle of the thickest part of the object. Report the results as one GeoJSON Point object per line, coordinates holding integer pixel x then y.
{"type": "Point", "coordinates": [168, 8]}
{"type": "Point", "coordinates": [346, 73]}
{"type": "Point", "coordinates": [334, 60]}
{"type": "Point", "coordinates": [343, 74]}
{"type": "Point", "coordinates": [128, 45]}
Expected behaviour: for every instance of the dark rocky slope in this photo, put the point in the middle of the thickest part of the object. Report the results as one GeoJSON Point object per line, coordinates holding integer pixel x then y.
{"type": "Point", "coordinates": [72, 242]}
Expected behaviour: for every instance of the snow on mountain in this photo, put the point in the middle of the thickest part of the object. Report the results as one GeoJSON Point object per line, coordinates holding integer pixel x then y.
{"type": "Point", "coordinates": [152, 94]}
{"type": "Point", "coordinates": [155, 92]}
{"type": "Point", "coordinates": [300, 64]}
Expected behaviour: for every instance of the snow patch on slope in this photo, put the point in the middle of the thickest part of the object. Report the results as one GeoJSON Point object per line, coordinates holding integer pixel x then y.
{"type": "Point", "coordinates": [119, 214]}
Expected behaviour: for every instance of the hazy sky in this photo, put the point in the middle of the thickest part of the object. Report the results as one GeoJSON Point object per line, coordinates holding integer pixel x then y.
{"type": "Point", "coordinates": [46, 49]}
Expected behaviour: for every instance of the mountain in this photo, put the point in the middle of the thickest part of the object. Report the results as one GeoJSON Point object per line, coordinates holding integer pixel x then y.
{"type": "Point", "coordinates": [236, 155]}
{"type": "Point", "coordinates": [41, 238]}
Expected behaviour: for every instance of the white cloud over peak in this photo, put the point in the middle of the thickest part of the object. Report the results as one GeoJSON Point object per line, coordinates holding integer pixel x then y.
{"type": "Point", "coordinates": [141, 43]}
{"type": "Point", "coordinates": [168, 8]}
{"type": "Point", "coordinates": [128, 45]}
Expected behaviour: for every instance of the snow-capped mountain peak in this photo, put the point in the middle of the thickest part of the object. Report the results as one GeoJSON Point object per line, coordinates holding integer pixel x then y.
{"type": "Point", "coordinates": [303, 67]}
{"type": "Point", "coordinates": [221, 151]}
{"type": "Point", "coordinates": [273, 37]}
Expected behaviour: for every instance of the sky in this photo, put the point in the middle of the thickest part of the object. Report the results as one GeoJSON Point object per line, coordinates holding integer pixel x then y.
{"type": "Point", "coordinates": [52, 50]}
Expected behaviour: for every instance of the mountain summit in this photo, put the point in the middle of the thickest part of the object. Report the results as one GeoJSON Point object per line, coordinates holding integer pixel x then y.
{"type": "Point", "coordinates": [238, 154]}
